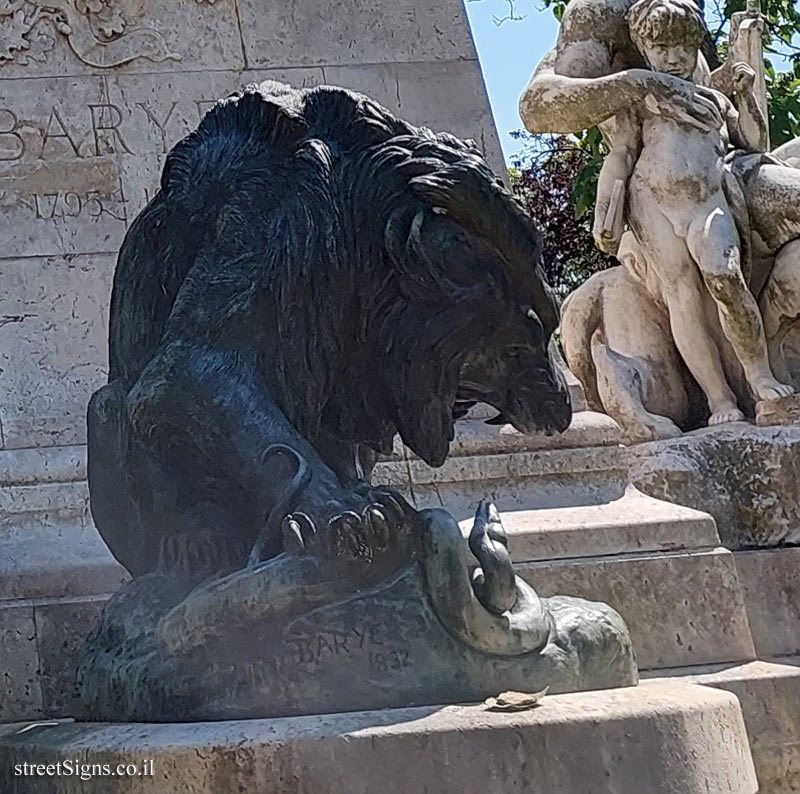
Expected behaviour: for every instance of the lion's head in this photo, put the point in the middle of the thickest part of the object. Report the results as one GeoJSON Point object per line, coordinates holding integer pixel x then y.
{"type": "Point", "coordinates": [400, 279]}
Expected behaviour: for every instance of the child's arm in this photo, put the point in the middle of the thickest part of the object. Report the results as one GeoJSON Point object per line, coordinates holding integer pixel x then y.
{"type": "Point", "coordinates": [743, 80]}
{"type": "Point", "coordinates": [609, 211]}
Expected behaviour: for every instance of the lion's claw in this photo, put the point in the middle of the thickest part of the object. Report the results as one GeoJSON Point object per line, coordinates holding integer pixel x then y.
{"type": "Point", "coordinates": [379, 524]}
{"type": "Point", "coordinates": [359, 530]}
{"type": "Point", "coordinates": [358, 536]}
{"type": "Point", "coordinates": [298, 532]}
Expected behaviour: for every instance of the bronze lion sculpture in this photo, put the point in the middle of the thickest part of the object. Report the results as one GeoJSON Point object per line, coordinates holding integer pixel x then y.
{"type": "Point", "coordinates": [313, 278]}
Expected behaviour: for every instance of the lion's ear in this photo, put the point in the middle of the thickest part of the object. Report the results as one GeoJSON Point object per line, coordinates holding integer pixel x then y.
{"type": "Point", "coordinates": [439, 256]}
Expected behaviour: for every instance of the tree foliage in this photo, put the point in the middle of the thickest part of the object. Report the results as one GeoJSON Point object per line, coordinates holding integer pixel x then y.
{"type": "Point", "coordinates": [548, 177]}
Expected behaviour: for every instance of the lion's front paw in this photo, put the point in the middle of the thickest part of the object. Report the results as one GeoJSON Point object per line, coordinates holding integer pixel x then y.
{"type": "Point", "coordinates": [362, 527]}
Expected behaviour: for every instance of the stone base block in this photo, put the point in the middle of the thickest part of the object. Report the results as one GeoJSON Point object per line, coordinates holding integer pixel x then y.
{"type": "Point", "coordinates": [746, 477]}
{"type": "Point", "coordinates": [769, 694]}
{"type": "Point", "coordinates": [659, 738]}
{"type": "Point", "coordinates": [783, 411]}
{"type": "Point", "coordinates": [54, 579]}
{"type": "Point", "coordinates": [585, 465]}
{"type": "Point", "coordinates": [771, 582]}
{"type": "Point", "coordinates": [632, 523]}
{"type": "Point", "coordinates": [682, 608]}
{"type": "Point", "coordinates": [39, 643]}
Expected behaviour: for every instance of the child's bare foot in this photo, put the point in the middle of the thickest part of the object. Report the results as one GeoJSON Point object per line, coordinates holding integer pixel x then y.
{"type": "Point", "coordinates": [727, 413]}
{"type": "Point", "coordinates": [767, 388]}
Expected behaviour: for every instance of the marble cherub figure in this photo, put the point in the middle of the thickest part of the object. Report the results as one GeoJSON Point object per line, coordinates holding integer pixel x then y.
{"type": "Point", "coordinates": [666, 178]}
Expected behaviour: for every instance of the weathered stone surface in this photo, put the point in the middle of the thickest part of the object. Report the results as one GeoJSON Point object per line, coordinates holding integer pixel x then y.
{"type": "Point", "coordinates": [353, 31]}
{"type": "Point", "coordinates": [783, 411]}
{"type": "Point", "coordinates": [519, 480]}
{"type": "Point", "coordinates": [52, 346]}
{"type": "Point", "coordinates": [519, 464]}
{"type": "Point", "coordinates": [437, 94]}
{"type": "Point", "coordinates": [86, 118]}
{"type": "Point", "coordinates": [768, 693]}
{"type": "Point", "coordinates": [150, 35]}
{"type": "Point", "coordinates": [633, 523]}
{"type": "Point", "coordinates": [771, 583]}
{"type": "Point", "coordinates": [475, 437]}
{"type": "Point", "coordinates": [20, 690]}
{"type": "Point", "coordinates": [42, 465]}
{"type": "Point", "coordinates": [56, 500]}
{"type": "Point", "coordinates": [687, 739]}
{"type": "Point", "coordinates": [82, 566]}
{"type": "Point", "coordinates": [682, 608]}
{"type": "Point", "coordinates": [40, 489]}
{"type": "Point", "coordinates": [55, 575]}
{"type": "Point", "coordinates": [59, 174]}
{"type": "Point", "coordinates": [746, 477]}
{"type": "Point", "coordinates": [60, 632]}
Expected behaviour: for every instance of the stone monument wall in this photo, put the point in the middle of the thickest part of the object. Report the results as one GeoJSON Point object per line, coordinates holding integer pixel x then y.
{"type": "Point", "coordinates": [93, 93]}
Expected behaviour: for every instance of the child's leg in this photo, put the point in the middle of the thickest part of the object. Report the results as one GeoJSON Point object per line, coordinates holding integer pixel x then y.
{"type": "Point", "coordinates": [685, 296]}
{"type": "Point", "coordinates": [713, 243]}
{"type": "Point", "coordinates": [695, 343]}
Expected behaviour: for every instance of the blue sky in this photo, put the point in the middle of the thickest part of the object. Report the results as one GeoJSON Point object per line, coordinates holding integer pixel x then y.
{"type": "Point", "coordinates": [508, 54]}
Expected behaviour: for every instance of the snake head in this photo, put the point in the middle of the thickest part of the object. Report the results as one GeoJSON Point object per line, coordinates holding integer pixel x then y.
{"type": "Point", "coordinates": [494, 582]}
{"type": "Point", "coordinates": [487, 526]}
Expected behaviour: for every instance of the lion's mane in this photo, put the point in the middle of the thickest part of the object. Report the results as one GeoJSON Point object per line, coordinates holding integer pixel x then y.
{"type": "Point", "coordinates": [326, 189]}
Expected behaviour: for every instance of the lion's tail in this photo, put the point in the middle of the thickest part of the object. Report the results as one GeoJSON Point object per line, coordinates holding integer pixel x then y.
{"type": "Point", "coordinates": [581, 328]}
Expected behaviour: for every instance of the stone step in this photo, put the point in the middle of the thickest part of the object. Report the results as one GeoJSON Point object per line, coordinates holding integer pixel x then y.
{"type": "Point", "coordinates": [682, 608]}
{"type": "Point", "coordinates": [42, 488]}
{"type": "Point", "coordinates": [632, 523]}
{"type": "Point", "coordinates": [659, 565]}
{"type": "Point", "coordinates": [659, 738]}
{"type": "Point", "coordinates": [42, 465]}
{"type": "Point", "coordinates": [54, 580]}
{"type": "Point", "coordinates": [514, 481]}
{"type": "Point", "coordinates": [769, 694]}
{"type": "Point", "coordinates": [771, 582]}
{"type": "Point", "coordinates": [584, 465]}
{"type": "Point", "coordinates": [575, 527]}
{"type": "Point", "coordinates": [61, 561]}
{"type": "Point", "coordinates": [475, 437]}
{"type": "Point", "coordinates": [40, 642]}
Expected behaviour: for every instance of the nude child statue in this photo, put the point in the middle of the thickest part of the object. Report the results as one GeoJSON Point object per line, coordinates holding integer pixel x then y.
{"type": "Point", "coordinates": [595, 72]}
{"type": "Point", "coordinates": [683, 207]}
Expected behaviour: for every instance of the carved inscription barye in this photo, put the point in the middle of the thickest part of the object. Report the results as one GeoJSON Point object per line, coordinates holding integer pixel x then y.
{"type": "Point", "coordinates": [64, 164]}
{"type": "Point", "coordinates": [383, 652]}
{"type": "Point", "coordinates": [61, 131]}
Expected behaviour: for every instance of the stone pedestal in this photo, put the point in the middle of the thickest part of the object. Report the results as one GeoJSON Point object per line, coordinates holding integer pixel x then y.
{"type": "Point", "coordinates": [696, 611]}
{"type": "Point", "coordinates": [768, 693]}
{"type": "Point", "coordinates": [746, 477]}
{"type": "Point", "coordinates": [55, 575]}
{"type": "Point", "coordinates": [659, 738]}
{"type": "Point", "coordinates": [86, 124]}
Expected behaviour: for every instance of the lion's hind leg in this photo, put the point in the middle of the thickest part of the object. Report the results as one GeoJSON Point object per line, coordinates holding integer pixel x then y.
{"type": "Point", "coordinates": [113, 508]}
{"type": "Point", "coordinates": [623, 383]}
